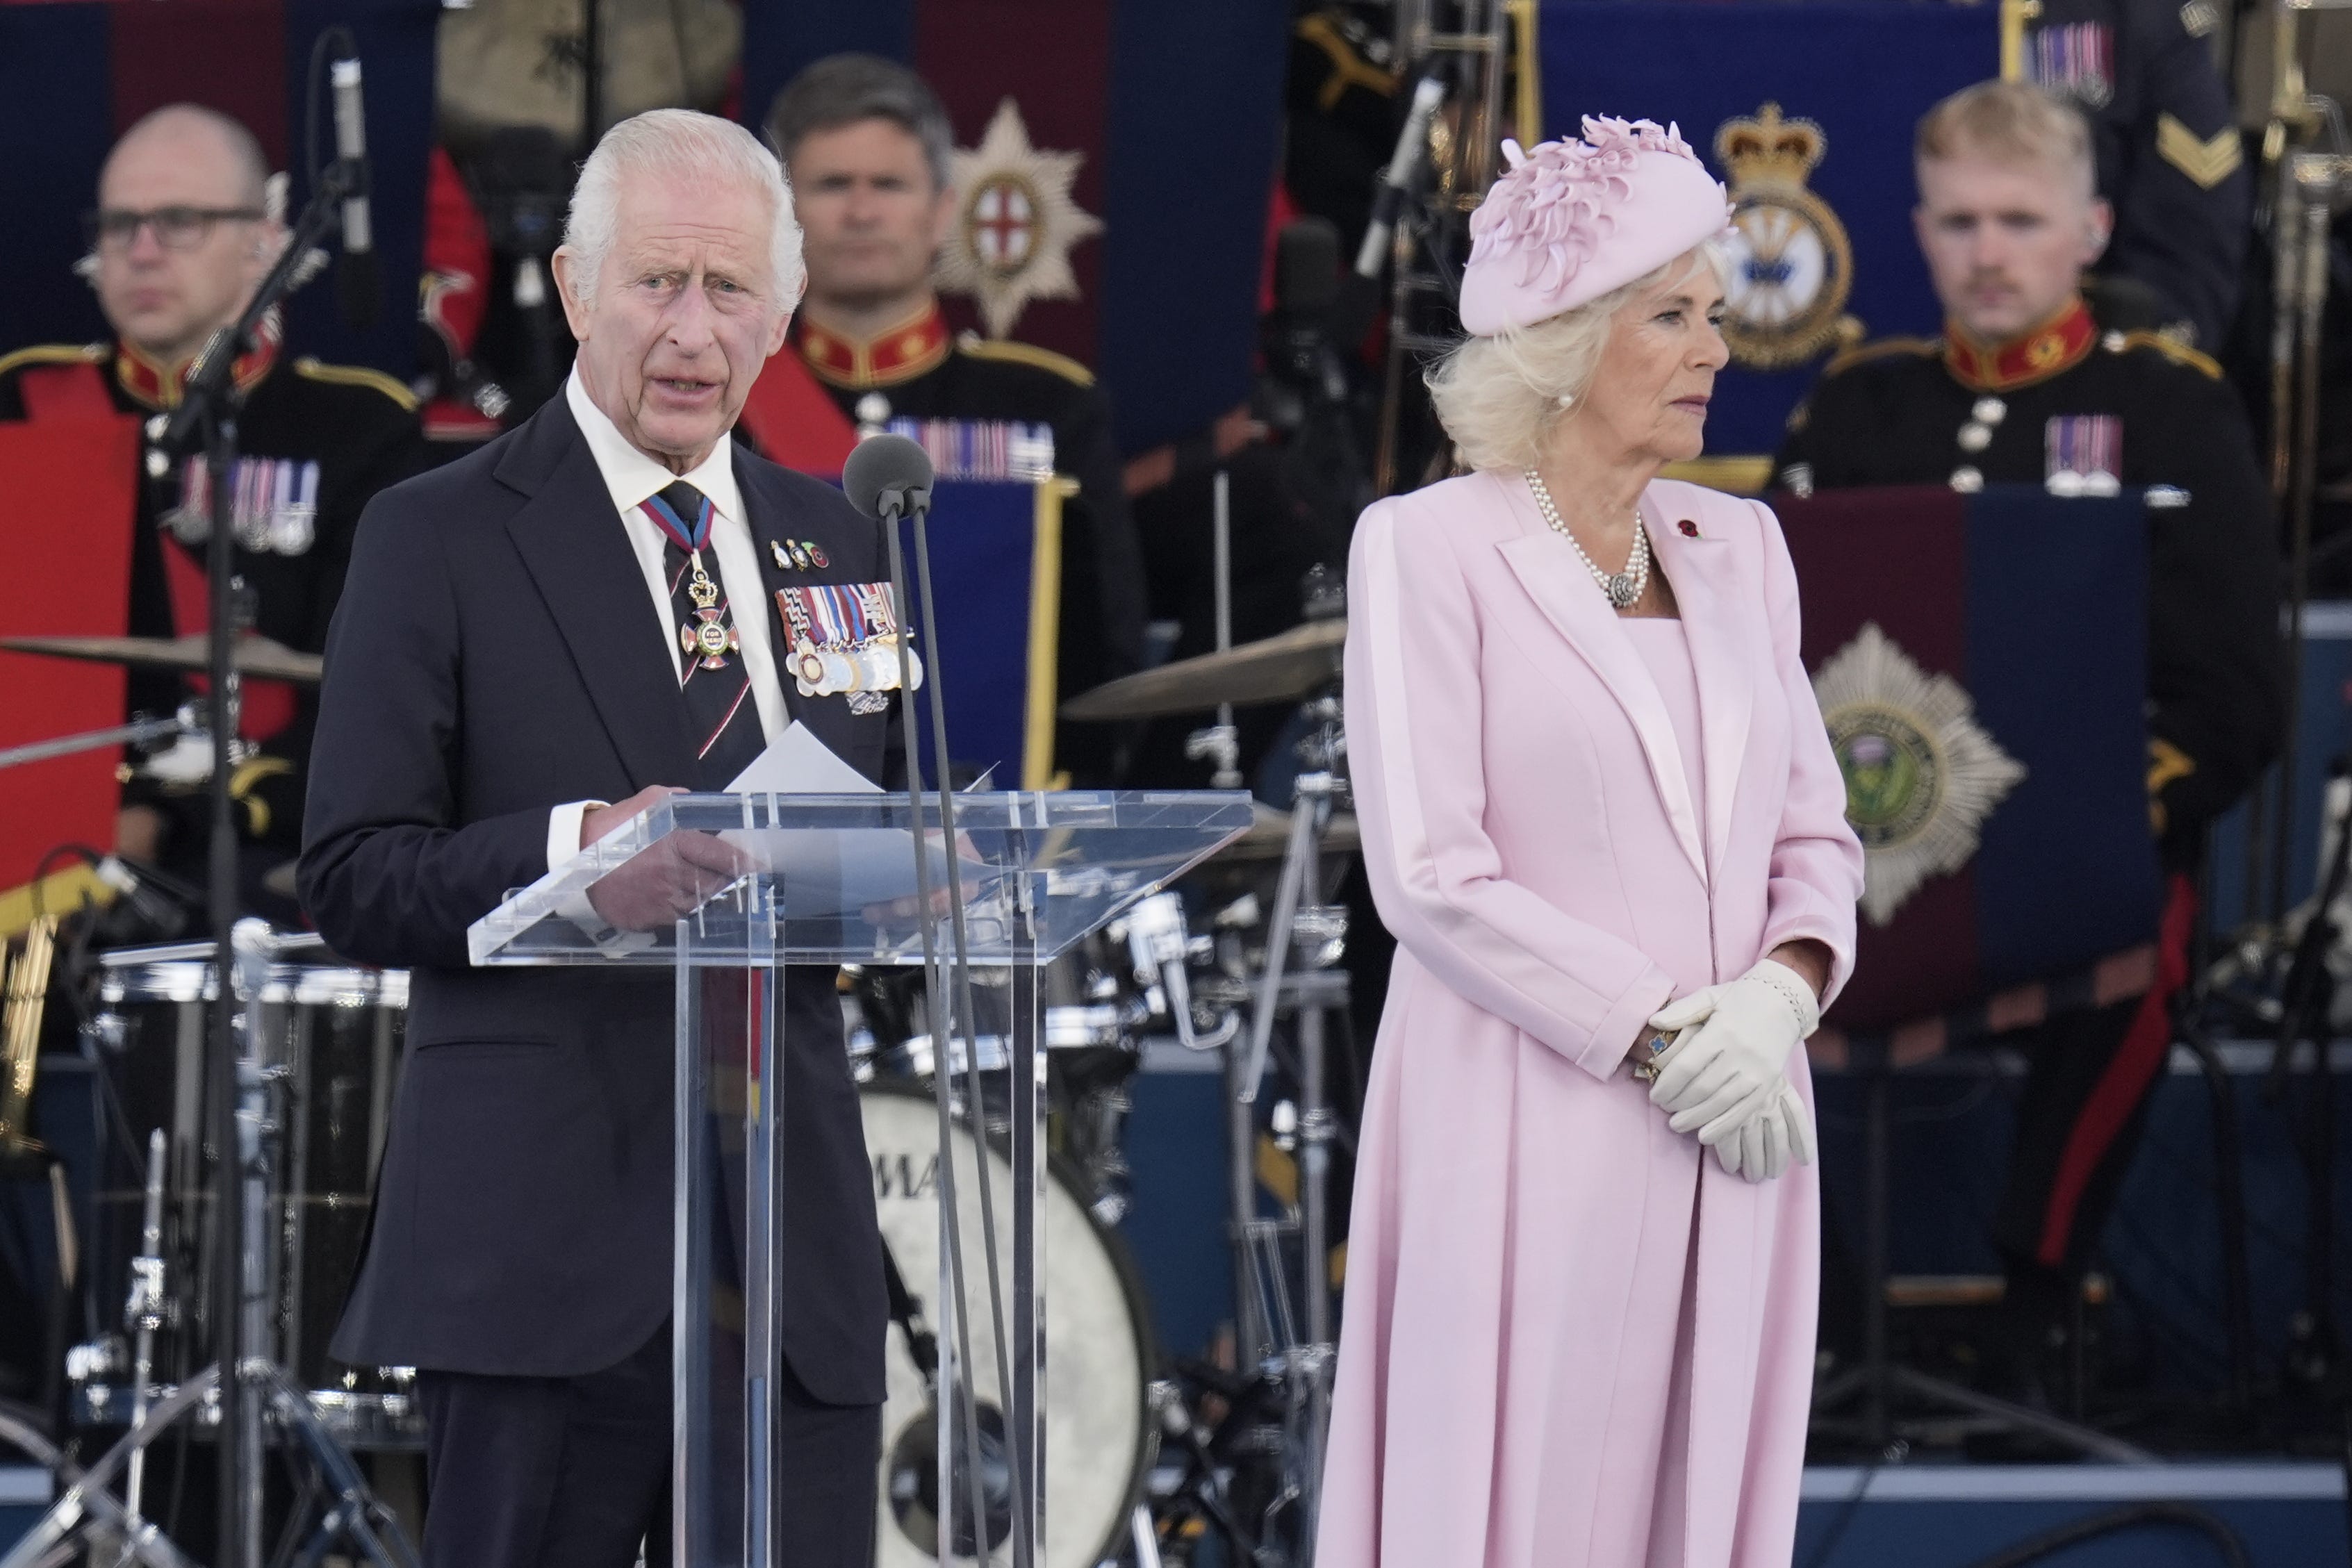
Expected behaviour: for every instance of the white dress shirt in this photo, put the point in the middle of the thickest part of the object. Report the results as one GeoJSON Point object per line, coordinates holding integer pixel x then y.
{"type": "Point", "coordinates": [631, 478]}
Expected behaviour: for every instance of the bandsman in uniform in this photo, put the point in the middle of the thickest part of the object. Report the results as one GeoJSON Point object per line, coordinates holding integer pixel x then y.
{"type": "Point", "coordinates": [2169, 161]}
{"type": "Point", "coordinates": [866, 144]}
{"type": "Point", "coordinates": [2024, 387]}
{"type": "Point", "coordinates": [182, 237]}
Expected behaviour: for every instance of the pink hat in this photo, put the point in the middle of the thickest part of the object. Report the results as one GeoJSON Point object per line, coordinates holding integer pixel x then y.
{"type": "Point", "coordinates": [1573, 220]}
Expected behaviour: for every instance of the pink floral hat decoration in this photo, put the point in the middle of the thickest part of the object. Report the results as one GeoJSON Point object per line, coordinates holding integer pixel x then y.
{"type": "Point", "coordinates": [1573, 220]}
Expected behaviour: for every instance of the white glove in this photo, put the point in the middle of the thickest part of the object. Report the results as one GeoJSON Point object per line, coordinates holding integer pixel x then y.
{"type": "Point", "coordinates": [1761, 1148]}
{"type": "Point", "coordinates": [1732, 1042]}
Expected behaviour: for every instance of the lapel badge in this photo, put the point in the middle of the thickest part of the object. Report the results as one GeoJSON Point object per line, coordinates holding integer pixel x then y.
{"type": "Point", "coordinates": [784, 562]}
{"type": "Point", "coordinates": [1690, 528]}
{"type": "Point", "coordinates": [815, 553]}
{"type": "Point", "coordinates": [800, 555]}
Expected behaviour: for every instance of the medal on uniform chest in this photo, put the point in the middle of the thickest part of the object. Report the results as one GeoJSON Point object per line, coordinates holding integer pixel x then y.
{"type": "Point", "coordinates": [846, 641]}
{"type": "Point", "coordinates": [704, 636]}
{"type": "Point", "coordinates": [2083, 455]}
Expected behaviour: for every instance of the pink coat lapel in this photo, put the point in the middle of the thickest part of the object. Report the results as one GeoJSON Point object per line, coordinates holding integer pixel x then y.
{"type": "Point", "coordinates": [1560, 586]}
{"type": "Point", "coordinates": [1702, 571]}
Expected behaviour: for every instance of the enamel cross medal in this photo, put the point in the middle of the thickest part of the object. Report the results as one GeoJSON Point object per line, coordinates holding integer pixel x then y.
{"type": "Point", "coordinates": [707, 637]}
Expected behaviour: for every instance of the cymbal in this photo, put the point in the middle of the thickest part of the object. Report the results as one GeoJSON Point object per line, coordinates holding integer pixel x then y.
{"type": "Point", "coordinates": [1282, 668]}
{"type": "Point", "coordinates": [256, 656]}
{"type": "Point", "coordinates": [1268, 838]}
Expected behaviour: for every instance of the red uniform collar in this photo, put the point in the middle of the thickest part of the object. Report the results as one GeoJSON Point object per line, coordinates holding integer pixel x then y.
{"type": "Point", "coordinates": [898, 353]}
{"type": "Point", "coordinates": [2058, 344]}
{"type": "Point", "coordinates": [158, 385]}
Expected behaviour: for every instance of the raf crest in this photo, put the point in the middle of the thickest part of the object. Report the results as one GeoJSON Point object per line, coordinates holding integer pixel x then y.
{"type": "Point", "coordinates": [1791, 264]}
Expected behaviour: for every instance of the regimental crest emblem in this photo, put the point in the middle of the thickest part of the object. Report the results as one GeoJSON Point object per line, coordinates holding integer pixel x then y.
{"type": "Point", "coordinates": [1012, 236]}
{"type": "Point", "coordinates": [1921, 775]}
{"type": "Point", "coordinates": [1791, 263]}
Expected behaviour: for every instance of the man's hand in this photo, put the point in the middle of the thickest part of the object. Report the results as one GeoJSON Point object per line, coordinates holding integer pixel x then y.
{"type": "Point", "coordinates": [596, 824]}
{"type": "Point", "coordinates": [674, 878]}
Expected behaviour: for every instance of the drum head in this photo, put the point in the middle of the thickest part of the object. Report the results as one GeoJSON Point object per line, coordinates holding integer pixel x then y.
{"type": "Point", "coordinates": [1097, 1432]}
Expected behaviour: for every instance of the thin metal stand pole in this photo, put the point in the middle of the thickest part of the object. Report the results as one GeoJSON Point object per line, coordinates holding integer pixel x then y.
{"type": "Point", "coordinates": [955, 1359]}
{"type": "Point", "coordinates": [1026, 1437]}
{"type": "Point", "coordinates": [239, 1544]}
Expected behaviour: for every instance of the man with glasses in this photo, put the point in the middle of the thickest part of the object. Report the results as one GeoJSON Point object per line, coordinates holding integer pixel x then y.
{"type": "Point", "coordinates": [182, 235]}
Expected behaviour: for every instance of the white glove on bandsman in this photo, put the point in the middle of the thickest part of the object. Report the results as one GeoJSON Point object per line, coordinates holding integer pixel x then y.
{"type": "Point", "coordinates": [1725, 1076]}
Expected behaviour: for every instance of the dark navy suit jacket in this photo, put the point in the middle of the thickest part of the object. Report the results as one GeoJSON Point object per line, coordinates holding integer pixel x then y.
{"type": "Point", "coordinates": [492, 658]}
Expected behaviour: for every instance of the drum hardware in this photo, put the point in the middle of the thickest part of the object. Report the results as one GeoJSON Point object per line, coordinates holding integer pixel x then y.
{"type": "Point", "coordinates": [1221, 742]}
{"type": "Point", "coordinates": [142, 732]}
{"type": "Point", "coordinates": [250, 656]}
{"type": "Point", "coordinates": [317, 1421]}
{"type": "Point", "coordinates": [1282, 668]}
{"type": "Point", "coordinates": [1297, 1349]}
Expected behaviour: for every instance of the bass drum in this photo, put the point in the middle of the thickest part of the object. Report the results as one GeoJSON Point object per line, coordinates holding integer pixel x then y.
{"type": "Point", "coordinates": [1100, 1438]}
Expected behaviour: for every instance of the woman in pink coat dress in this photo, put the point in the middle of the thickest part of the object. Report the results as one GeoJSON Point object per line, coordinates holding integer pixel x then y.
{"type": "Point", "coordinates": [1602, 819]}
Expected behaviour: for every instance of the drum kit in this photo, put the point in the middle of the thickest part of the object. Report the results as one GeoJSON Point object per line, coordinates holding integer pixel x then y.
{"type": "Point", "coordinates": [320, 1046]}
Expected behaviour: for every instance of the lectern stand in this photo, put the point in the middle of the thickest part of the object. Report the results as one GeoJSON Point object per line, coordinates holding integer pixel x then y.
{"type": "Point", "coordinates": [831, 879]}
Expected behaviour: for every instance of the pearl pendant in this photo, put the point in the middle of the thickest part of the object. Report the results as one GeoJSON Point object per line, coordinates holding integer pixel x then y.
{"type": "Point", "coordinates": [1622, 592]}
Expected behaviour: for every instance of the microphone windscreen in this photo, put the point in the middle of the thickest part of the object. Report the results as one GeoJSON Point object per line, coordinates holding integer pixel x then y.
{"type": "Point", "coordinates": [880, 465]}
{"type": "Point", "coordinates": [357, 289]}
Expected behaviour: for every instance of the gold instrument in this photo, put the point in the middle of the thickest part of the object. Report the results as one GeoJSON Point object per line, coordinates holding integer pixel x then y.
{"type": "Point", "coordinates": [26, 990]}
{"type": "Point", "coordinates": [1471, 48]}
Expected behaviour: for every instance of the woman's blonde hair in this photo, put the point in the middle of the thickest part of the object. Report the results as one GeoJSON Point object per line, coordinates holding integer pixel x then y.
{"type": "Point", "coordinates": [1499, 396]}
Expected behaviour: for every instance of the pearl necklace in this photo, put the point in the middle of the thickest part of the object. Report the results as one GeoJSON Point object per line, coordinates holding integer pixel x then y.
{"type": "Point", "coordinates": [1625, 588]}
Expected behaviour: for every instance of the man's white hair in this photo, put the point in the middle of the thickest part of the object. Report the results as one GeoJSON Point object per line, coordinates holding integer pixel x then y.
{"type": "Point", "coordinates": [679, 146]}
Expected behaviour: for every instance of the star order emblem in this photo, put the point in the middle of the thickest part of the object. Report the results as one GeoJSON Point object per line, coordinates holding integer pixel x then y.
{"type": "Point", "coordinates": [1921, 774]}
{"type": "Point", "coordinates": [1016, 224]}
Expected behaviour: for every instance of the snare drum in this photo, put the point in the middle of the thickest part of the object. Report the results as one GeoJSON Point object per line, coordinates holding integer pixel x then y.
{"type": "Point", "coordinates": [331, 1036]}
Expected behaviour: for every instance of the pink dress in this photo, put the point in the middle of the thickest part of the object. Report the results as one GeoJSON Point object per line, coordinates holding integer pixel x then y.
{"type": "Point", "coordinates": [1569, 1337]}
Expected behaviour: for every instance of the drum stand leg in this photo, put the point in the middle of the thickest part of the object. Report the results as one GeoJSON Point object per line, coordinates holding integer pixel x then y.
{"type": "Point", "coordinates": [1319, 931]}
{"type": "Point", "coordinates": [260, 1387]}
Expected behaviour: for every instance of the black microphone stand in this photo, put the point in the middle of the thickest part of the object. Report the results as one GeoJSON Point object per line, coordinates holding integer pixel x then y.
{"type": "Point", "coordinates": [206, 418]}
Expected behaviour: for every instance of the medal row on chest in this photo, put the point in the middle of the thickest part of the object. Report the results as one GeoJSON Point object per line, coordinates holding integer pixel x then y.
{"type": "Point", "coordinates": [845, 639]}
{"type": "Point", "coordinates": [2083, 454]}
{"type": "Point", "coordinates": [273, 504]}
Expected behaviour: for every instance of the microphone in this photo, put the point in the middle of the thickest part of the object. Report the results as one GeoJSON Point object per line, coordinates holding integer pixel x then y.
{"type": "Point", "coordinates": [888, 478]}
{"type": "Point", "coordinates": [355, 280]}
{"type": "Point", "coordinates": [1412, 145]}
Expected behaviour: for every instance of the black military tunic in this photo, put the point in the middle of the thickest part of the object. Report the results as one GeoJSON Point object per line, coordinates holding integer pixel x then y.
{"type": "Point", "coordinates": [2167, 141]}
{"type": "Point", "coordinates": [917, 370]}
{"type": "Point", "coordinates": [316, 441]}
{"type": "Point", "coordinates": [1902, 413]}
{"type": "Point", "coordinates": [2066, 401]}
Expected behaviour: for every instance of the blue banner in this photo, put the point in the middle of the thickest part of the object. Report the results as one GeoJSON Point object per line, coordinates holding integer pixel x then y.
{"type": "Point", "coordinates": [983, 546]}
{"type": "Point", "coordinates": [1822, 178]}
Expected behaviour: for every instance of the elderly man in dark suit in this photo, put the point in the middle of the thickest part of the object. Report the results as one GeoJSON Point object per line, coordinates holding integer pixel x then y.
{"type": "Point", "coordinates": [520, 642]}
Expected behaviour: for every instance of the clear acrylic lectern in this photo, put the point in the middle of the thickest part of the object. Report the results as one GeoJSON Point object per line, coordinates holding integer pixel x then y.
{"type": "Point", "coordinates": [831, 879]}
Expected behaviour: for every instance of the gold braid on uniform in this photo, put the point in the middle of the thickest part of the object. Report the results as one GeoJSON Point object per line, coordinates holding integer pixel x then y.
{"type": "Point", "coordinates": [53, 354]}
{"type": "Point", "coordinates": [2166, 762]}
{"type": "Point", "coordinates": [356, 376]}
{"type": "Point", "coordinates": [2178, 353]}
{"type": "Point", "coordinates": [1005, 352]}
{"type": "Point", "coordinates": [241, 782]}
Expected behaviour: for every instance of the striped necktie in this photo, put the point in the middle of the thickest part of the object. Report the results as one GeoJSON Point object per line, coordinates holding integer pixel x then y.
{"type": "Point", "coordinates": [712, 677]}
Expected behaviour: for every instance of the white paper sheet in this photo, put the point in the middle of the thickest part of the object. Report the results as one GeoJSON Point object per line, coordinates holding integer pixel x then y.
{"type": "Point", "coordinates": [798, 763]}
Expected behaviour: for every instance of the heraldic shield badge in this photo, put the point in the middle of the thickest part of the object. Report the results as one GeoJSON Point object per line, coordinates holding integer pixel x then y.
{"type": "Point", "coordinates": [1986, 722]}
{"type": "Point", "coordinates": [1791, 264]}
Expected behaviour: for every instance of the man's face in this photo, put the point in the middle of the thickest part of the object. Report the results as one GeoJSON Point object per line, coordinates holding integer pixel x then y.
{"type": "Point", "coordinates": [2006, 243]}
{"type": "Point", "coordinates": [684, 314]}
{"type": "Point", "coordinates": [873, 218]}
{"type": "Point", "coordinates": [168, 285]}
